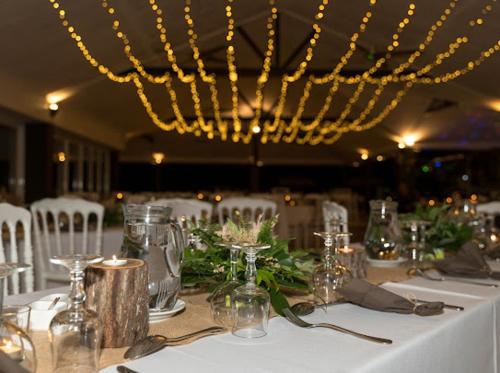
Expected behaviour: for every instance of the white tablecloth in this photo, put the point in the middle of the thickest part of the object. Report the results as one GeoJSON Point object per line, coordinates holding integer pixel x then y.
{"type": "Point", "coordinates": [452, 342]}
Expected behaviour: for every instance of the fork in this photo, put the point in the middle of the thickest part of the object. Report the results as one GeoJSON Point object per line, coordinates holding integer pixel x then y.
{"type": "Point", "coordinates": [162, 295]}
{"type": "Point", "coordinates": [294, 319]}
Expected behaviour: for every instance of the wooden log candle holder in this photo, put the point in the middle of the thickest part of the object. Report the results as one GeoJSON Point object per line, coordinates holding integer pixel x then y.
{"type": "Point", "coordinates": [119, 295]}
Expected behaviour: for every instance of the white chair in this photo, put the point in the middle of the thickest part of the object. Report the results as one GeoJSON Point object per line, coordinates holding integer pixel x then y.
{"type": "Point", "coordinates": [190, 209]}
{"type": "Point", "coordinates": [491, 208]}
{"type": "Point", "coordinates": [49, 215]}
{"type": "Point", "coordinates": [248, 208]}
{"type": "Point", "coordinates": [10, 216]}
{"type": "Point", "coordinates": [332, 210]}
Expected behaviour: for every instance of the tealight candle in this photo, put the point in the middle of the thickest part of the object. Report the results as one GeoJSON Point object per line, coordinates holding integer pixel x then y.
{"type": "Point", "coordinates": [346, 250]}
{"type": "Point", "coordinates": [13, 351]}
{"type": "Point", "coordinates": [115, 262]}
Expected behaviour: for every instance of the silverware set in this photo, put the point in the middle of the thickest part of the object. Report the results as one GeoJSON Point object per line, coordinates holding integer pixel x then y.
{"type": "Point", "coordinates": [154, 343]}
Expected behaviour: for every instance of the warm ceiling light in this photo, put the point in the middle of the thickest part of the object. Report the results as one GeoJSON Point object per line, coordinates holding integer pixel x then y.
{"type": "Point", "coordinates": [256, 129]}
{"type": "Point", "coordinates": [432, 202]}
{"type": "Point", "coordinates": [364, 156]}
{"type": "Point", "coordinates": [61, 157]}
{"type": "Point", "coordinates": [401, 145]}
{"type": "Point", "coordinates": [380, 158]}
{"type": "Point", "coordinates": [158, 157]}
{"type": "Point", "coordinates": [494, 104]}
{"type": "Point", "coordinates": [449, 200]}
{"type": "Point", "coordinates": [53, 106]}
{"type": "Point", "coordinates": [409, 140]}
{"type": "Point", "coordinates": [288, 197]}
{"type": "Point", "coordinates": [200, 196]}
{"type": "Point", "coordinates": [218, 198]}
{"type": "Point", "coordinates": [119, 195]}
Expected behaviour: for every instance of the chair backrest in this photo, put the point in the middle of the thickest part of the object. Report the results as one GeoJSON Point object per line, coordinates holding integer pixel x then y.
{"type": "Point", "coordinates": [332, 210]}
{"type": "Point", "coordinates": [491, 208]}
{"type": "Point", "coordinates": [50, 215]}
{"type": "Point", "coordinates": [12, 251]}
{"type": "Point", "coordinates": [248, 208]}
{"type": "Point", "coordinates": [190, 209]}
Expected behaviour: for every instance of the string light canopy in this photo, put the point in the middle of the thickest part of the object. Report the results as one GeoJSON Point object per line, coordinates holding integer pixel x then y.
{"type": "Point", "coordinates": [369, 85]}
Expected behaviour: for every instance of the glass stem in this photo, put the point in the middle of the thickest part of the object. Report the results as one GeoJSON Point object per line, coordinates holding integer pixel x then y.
{"type": "Point", "coordinates": [234, 264]}
{"type": "Point", "coordinates": [77, 294]}
{"type": "Point", "coordinates": [251, 270]}
{"type": "Point", "coordinates": [328, 257]}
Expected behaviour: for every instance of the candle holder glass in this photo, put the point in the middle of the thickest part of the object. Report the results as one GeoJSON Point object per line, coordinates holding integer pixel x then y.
{"type": "Point", "coordinates": [75, 334]}
{"type": "Point", "coordinates": [330, 275]}
{"type": "Point", "coordinates": [221, 300]}
{"type": "Point", "coordinates": [14, 341]}
{"type": "Point", "coordinates": [250, 302]}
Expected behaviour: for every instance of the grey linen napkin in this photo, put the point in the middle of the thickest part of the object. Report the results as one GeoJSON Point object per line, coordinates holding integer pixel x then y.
{"type": "Point", "coordinates": [469, 262]}
{"type": "Point", "coordinates": [376, 298]}
{"type": "Point", "coordinates": [7, 365]}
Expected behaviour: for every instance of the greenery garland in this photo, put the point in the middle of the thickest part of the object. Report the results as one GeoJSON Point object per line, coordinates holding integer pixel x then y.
{"type": "Point", "coordinates": [278, 269]}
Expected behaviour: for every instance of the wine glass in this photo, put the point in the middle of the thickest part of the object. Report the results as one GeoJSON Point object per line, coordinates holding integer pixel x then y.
{"type": "Point", "coordinates": [221, 299]}
{"type": "Point", "coordinates": [330, 274]}
{"type": "Point", "coordinates": [417, 245]}
{"type": "Point", "coordinates": [75, 334]}
{"type": "Point", "coordinates": [250, 302]}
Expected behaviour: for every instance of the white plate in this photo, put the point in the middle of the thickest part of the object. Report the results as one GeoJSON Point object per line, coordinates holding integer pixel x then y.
{"type": "Point", "coordinates": [386, 263]}
{"type": "Point", "coordinates": [156, 316]}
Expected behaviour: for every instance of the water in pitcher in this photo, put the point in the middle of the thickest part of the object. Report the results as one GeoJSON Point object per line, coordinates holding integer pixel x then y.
{"type": "Point", "coordinates": [151, 235]}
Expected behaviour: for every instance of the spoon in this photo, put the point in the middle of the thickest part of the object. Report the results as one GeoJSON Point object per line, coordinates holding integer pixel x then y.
{"type": "Point", "coordinates": [54, 302]}
{"type": "Point", "coordinates": [154, 343]}
{"type": "Point", "coordinates": [427, 276]}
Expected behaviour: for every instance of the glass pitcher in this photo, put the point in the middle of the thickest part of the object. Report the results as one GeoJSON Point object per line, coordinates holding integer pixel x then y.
{"type": "Point", "coordinates": [151, 235]}
{"type": "Point", "coordinates": [383, 235]}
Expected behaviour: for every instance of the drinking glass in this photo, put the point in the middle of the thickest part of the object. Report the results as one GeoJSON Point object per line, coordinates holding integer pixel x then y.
{"type": "Point", "coordinates": [250, 302]}
{"type": "Point", "coordinates": [330, 274]}
{"type": "Point", "coordinates": [14, 341]}
{"type": "Point", "coordinates": [221, 303]}
{"type": "Point", "coordinates": [75, 334]}
{"type": "Point", "coordinates": [18, 315]}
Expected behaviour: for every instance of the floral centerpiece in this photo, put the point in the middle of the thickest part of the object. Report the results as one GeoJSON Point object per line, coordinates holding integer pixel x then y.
{"type": "Point", "coordinates": [444, 233]}
{"type": "Point", "coordinates": [278, 269]}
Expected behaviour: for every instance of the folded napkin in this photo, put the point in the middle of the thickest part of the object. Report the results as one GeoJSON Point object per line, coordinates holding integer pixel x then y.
{"type": "Point", "coordinates": [469, 262]}
{"type": "Point", "coordinates": [374, 297]}
{"type": "Point", "coordinates": [7, 365]}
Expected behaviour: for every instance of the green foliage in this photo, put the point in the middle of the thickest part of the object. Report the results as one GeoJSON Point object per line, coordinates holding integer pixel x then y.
{"type": "Point", "coordinates": [443, 231]}
{"type": "Point", "coordinates": [277, 268]}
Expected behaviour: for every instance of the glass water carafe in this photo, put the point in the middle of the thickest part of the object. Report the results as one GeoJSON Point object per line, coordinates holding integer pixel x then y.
{"type": "Point", "coordinates": [383, 235]}
{"type": "Point", "coordinates": [151, 235]}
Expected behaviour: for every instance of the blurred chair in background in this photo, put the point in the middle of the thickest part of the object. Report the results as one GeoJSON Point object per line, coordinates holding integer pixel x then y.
{"type": "Point", "coordinates": [16, 247]}
{"type": "Point", "coordinates": [247, 208]}
{"type": "Point", "coordinates": [61, 226]}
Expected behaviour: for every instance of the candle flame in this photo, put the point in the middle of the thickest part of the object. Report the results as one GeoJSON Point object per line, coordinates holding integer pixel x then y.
{"type": "Point", "coordinates": [114, 258]}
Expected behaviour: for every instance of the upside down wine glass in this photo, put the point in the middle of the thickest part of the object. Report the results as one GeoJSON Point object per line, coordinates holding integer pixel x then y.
{"type": "Point", "coordinates": [221, 299]}
{"type": "Point", "coordinates": [330, 274]}
{"type": "Point", "coordinates": [75, 334]}
{"type": "Point", "coordinates": [250, 302]}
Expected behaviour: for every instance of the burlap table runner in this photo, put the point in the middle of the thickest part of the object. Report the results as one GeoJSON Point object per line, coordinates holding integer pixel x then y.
{"type": "Point", "coordinates": [196, 316]}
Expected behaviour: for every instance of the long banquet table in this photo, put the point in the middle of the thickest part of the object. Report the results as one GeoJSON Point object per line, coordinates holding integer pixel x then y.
{"type": "Point", "coordinates": [452, 342]}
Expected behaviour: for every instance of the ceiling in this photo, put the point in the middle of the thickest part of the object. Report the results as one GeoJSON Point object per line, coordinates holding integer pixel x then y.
{"type": "Point", "coordinates": [39, 58]}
